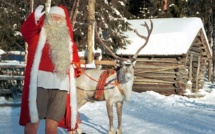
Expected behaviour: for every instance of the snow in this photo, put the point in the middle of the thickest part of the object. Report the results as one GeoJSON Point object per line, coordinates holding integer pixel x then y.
{"type": "Point", "coordinates": [147, 112]}
{"type": "Point", "coordinates": [16, 52]}
{"type": "Point", "coordinates": [84, 53]}
{"type": "Point", "coordinates": [170, 36]}
{"type": "Point", "coordinates": [2, 52]}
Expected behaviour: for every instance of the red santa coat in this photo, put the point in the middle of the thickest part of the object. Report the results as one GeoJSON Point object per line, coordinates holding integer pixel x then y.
{"type": "Point", "coordinates": [35, 37]}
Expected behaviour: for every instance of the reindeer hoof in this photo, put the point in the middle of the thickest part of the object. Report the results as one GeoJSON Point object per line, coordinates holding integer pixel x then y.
{"type": "Point", "coordinates": [119, 131]}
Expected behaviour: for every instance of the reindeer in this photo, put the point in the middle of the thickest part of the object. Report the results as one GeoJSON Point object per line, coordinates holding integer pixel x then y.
{"type": "Point", "coordinates": [118, 85]}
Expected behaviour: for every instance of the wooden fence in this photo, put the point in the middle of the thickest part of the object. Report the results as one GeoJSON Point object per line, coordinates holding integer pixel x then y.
{"type": "Point", "coordinates": [11, 79]}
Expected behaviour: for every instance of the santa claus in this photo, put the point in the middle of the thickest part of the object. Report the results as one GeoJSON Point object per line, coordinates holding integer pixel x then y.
{"type": "Point", "coordinates": [49, 71]}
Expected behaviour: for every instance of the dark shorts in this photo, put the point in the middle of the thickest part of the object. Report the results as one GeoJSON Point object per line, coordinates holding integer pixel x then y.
{"type": "Point", "coordinates": [51, 103]}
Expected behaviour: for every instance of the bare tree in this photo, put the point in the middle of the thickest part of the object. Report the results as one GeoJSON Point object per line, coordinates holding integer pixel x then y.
{"type": "Point", "coordinates": [74, 11]}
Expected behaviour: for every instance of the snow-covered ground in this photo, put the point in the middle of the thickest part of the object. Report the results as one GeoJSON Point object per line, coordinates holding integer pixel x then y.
{"type": "Point", "coordinates": [145, 113]}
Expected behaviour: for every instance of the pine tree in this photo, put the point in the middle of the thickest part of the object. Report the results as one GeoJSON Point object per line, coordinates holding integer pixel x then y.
{"type": "Point", "coordinates": [11, 15]}
{"type": "Point", "coordinates": [111, 19]}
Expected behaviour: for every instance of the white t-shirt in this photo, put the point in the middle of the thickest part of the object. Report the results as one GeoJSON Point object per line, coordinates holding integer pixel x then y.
{"type": "Point", "coordinates": [49, 80]}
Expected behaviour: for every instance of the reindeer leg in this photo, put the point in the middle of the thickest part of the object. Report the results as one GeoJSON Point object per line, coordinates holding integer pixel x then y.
{"type": "Point", "coordinates": [81, 100]}
{"type": "Point", "coordinates": [119, 106]}
{"type": "Point", "coordinates": [109, 106]}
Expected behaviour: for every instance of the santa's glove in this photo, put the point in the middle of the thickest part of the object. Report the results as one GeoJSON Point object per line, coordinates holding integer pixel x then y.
{"type": "Point", "coordinates": [38, 13]}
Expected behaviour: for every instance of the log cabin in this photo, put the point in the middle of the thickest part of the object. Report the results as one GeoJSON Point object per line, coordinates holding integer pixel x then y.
{"type": "Point", "coordinates": [177, 58]}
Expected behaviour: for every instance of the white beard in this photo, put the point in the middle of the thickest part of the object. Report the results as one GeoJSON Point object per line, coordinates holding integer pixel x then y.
{"type": "Point", "coordinates": [60, 49]}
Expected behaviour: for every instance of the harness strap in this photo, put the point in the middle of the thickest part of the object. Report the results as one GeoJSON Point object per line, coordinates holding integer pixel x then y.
{"type": "Point", "coordinates": [109, 82]}
{"type": "Point", "coordinates": [99, 93]}
{"type": "Point", "coordinates": [119, 87]}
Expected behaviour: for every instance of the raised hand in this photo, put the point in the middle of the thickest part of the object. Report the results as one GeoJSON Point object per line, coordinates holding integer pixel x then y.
{"type": "Point", "coordinates": [39, 12]}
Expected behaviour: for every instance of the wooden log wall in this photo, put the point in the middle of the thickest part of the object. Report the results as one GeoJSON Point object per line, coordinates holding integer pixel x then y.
{"type": "Point", "coordinates": [160, 74]}
{"type": "Point", "coordinates": [199, 60]}
{"type": "Point", "coordinates": [174, 74]}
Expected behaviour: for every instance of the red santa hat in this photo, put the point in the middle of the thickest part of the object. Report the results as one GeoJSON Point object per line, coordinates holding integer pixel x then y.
{"type": "Point", "coordinates": [57, 10]}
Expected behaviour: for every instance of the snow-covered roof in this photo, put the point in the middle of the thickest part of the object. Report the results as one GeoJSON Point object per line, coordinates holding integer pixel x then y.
{"type": "Point", "coordinates": [170, 36]}
{"type": "Point", "coordinates": [2, 52]}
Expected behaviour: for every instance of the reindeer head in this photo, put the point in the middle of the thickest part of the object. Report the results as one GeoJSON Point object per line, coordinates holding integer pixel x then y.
{"type": "Point", "coordinates": [125, 70]}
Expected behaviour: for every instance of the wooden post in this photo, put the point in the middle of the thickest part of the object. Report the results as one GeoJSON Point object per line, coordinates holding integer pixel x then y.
{"type": "Point", "coordinates": [191, 67]}
{"type": "Point", "coordinates": [31, 5]}
{"type": "Point", "coordinates": [197, 73]}
{"type": "Point", "coordinates": [210, 70]}
{"type": "Point", "coordinates": [91, 29]}
{"type": "Point", "coordinates": [189, 84]}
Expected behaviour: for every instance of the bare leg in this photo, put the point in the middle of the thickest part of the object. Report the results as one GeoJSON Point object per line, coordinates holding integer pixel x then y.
{"type": "Point", "coordinates": [31, 128]}
{"type": "Point", "coordinates": [119, 115]}
{"type": "Point", "coordinates": [110, 116]}
{"type": "Point", "coordinates": [51, 126]}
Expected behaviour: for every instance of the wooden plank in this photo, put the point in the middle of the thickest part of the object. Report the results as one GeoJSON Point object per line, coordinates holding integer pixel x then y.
{"type": "Point", "coordinates": [190, 67]}
{"type": "Point", "coordinates": [7, 77]}
{"type": "Point", "coordinates": [197, 44]}
{"type": "Point", "coordinates": [197, 73]}
{"type": "Point", "coordinates": [210, 70]}
{"type": "Point", "coordinates": [156, 63]}
{"type": "Point", "coordinates": [12, 66]}
{"type": "Point", "coordinates": [195, 49]}
{"type": "Point", "coordinates": [101, 62]}
{"type": "Point", "coordinates": [164, 60]}
{"type": "Point", "coordinates": [157, 70]}
{"type": "Point", "coordinates": [194, 53]}
{"type": "Point", "coordinates": [5, 91]}
{"type": "Point", "coordinates": [155, 81]}
{"type": "Point", "coordinates": [142, 72]}
{"type": "Point", "coordinates": [165, 91]}
{"type": "Point", "coordinates": [153, 88]}
{"type": "Point", "coordinates": [157, 75]}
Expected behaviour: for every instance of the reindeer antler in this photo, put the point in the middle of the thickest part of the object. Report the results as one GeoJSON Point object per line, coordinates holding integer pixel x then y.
{"type": "Point", "coordinates": [149, 30]}
{"type": "Point", "coordinates": [106, 47]}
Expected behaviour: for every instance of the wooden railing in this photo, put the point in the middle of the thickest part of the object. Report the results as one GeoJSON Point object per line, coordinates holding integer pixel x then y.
{"type": "Point", "coordinates": [11, 78]}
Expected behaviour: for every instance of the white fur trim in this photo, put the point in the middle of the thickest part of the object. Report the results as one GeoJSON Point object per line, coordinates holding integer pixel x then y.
{"type": "Point", "coordinates": [34, 117]}
{"type": "Point", "coordinates": [33, 79]}
{"type": "Point", "coordinates": [57, 10]}
{"type": "Point", "coordinates": [73, 98]}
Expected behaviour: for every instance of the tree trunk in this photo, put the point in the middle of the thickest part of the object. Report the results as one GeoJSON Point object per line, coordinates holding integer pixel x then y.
{"type": "Point", "coordinates": [91, 29]}
{"type": "Point", "coordinates": [74, 11]}
{"type": "Point", "coordinates": [165, 5]}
